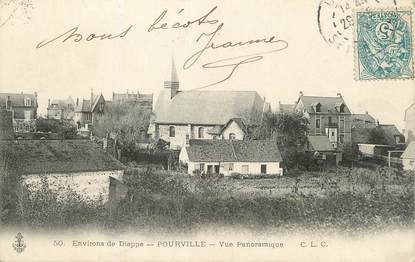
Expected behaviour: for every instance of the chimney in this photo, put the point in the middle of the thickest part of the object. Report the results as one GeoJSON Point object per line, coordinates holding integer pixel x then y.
{"type": "Point", "coordinates": [8, 103]}
{"type": "Point", "coordinates": [301, 93]}
{"type": "Point", "coordinates": [339, 95]}
{"type": "Point", "coordinates": [92, 96]}
{"type": "Point", "coordinates": [367, 112]}
{"type": "Point", "coordinates": [77, 101]}
{"type": "Point", "coordinates": [173, 83]}
{"type": "Point", "coordinates": [49, 102]}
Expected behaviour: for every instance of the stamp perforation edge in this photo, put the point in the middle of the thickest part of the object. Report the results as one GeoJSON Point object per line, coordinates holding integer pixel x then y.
{"type": "Point", "coordinates": [355, 51]}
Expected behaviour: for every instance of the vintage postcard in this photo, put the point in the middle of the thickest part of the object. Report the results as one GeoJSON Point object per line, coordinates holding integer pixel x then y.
{"type": "Point", "coordinates": [178, 130]}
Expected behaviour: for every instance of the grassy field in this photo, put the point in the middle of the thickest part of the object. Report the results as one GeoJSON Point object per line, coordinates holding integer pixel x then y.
{"type": "Point", "coordinates": [348, 200]}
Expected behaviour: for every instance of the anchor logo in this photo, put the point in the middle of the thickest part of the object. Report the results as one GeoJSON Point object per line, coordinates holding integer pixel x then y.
{"type": "Point", "coordinates": [19, 245]}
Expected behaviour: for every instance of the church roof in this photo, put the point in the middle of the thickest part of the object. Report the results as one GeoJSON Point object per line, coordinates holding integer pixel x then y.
{"type": "Point", "coordinates": [207, 107]}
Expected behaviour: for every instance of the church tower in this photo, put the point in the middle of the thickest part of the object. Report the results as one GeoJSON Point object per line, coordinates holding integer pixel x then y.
{"type": "Point", "coordinates": [173, 83]}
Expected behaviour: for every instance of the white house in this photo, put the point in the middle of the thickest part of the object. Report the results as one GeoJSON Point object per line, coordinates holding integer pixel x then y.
{"type": "Point", "coordinates": [231, 156]}
{"type": "Point", "coordinates": [408, 157]}
{"type": "Point", "coordinates": [202, 114]}
{"type": "Point", "coordinates": [80, 165]}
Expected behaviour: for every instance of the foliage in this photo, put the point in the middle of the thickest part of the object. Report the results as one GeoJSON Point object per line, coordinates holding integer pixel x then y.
{"type": "Point", "coordinates": [351, 200]}
{"type": "Point", "coordinates": [350, 153]}
{"type": "Point", "coordinates": [63, 128]}
{"type": "Point", "coordinates": [288, 130]}
{"type": "Point", "coordinates": [377, 136]}
{"type": "Point", "coordinates": [128, 122]}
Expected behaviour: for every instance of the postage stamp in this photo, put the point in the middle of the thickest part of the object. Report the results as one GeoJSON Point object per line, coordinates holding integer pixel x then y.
{"type": "Point", "coordinates": [383, 45]}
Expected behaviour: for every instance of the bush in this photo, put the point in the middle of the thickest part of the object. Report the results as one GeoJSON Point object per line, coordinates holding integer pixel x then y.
{"type": "Point", "coordinates": [65, 129]}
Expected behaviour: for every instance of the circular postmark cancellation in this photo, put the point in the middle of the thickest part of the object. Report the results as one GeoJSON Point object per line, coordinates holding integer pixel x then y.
{"type": "Point", "coordinates": [383, 44]}
{"type": "Point", "coordinates": [335, 20]}
{"type": "Point", "coordinates": [335, 23]}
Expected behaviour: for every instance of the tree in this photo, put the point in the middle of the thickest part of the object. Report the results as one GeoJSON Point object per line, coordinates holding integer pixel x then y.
{"type": "Point", "coordinates": [288, 130]}
{"type": "Point", "coordinates": [64, 128]}
{"type": "Point", "coordinates": [377, 136]}
{"type": "Point", "coordinates": [128, 122]}
{"type": "Point", "coordinates": [350, 153]}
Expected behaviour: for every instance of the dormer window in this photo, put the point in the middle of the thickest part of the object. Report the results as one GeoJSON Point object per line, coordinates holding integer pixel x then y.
{"type": "Point", "coordinates": [317, 107]}
{"type": "Point", "coordinates": [342, 108]}
{"type": "Point", "coordinates": [27, 102]}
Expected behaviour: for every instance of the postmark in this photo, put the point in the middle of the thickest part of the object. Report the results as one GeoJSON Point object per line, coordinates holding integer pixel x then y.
{"type": "Point", "coordinates": [335, 20]}
{"type": "Point", "coordinates": [383, 44]}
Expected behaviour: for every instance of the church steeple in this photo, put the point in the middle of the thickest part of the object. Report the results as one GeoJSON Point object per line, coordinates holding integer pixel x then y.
{"type": "Point", "coordinates": [173, 83]}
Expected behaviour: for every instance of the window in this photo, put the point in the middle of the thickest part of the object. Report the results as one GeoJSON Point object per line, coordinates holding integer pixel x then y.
{"type": "Point", "coordinates": [318, 123]}
{"type": "Point", "coordinates": [88, 116]}
{"type": "Point", "coordinates": [201, 132]}
{"type": "Point", "coordinates": [101, 107]}
{"type": "Point", "coordinates": [330, 120]}
{"type": "Point", "coordinates": [318, 107]}
{"type": "Point", "coordinates": [200, 167]}
{"type": "Point", "coordinates": [263, 169]}
{"type": "Point", "coordinates": [27, 102]}
{"type": "Point", "coordinates": [342, 124]}
{"type": "Point", "coordinates": [341, 137]}
{"type": "Point", "coordinates": [232, 136]}
{"type": "Point", "coordinates": [172, 131]}
{"type": "Point", "coordinates": [342, 108]}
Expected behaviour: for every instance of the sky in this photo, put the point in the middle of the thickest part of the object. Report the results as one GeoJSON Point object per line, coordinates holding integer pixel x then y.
{"type": "Point", "coordinates": [141, 60]}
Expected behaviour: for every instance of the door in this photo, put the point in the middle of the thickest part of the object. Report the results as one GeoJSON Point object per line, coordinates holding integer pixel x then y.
{"type": "Point", "coordinates": [209, 169]}
{"type": "Point", "coordinates": [263, 169]}
{"type": "Point", "coordinates": [216, 169]}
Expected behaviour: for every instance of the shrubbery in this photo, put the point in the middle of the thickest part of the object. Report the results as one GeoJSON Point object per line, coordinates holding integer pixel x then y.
{"type": "Point", "coordinates": [162, 201]}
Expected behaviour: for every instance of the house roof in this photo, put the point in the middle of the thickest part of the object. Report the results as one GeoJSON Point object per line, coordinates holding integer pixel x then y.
{"type": "Point", "coordinates": [233, 151]}
{"type": "Point", "coordinates": [328, 104]}
{"type": "Point", "coordinates": [391, 131]}
{"type": "Point", "coordinates": [55, 156]}
{"type": "Point", "coordinates": [238, 121]}
{"type": "Point", "coordinates": [207, 107]}
{"type": "Point", "coordinates": [409, 151]}
{"type": "Point", "coordinates": [320, 143]}
{"type": "Point", "coordinates": [86, 106]}
{"type": "Point", "coordinates": [17, 99]}
{"type": "Point", "coordinates": [62, 103]}
{"type": "Point", "coordinates": [363, 117]}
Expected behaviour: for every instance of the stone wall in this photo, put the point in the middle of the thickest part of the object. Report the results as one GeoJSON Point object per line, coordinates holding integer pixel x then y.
{"type": "Point", "coordinates": [89, 184]}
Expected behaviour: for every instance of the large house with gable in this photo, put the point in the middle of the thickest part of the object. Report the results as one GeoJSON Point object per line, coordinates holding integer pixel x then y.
{"type": "Point", "coordinates": [327, 116]}
{"type": "Point", "coordinates": [203, 114]}
{"type": "Point", "coordinates": [89, 112]}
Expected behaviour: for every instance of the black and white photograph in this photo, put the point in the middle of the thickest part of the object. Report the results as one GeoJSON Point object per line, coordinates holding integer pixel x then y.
{"type": "Point", "coordinates": [189, 130]}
